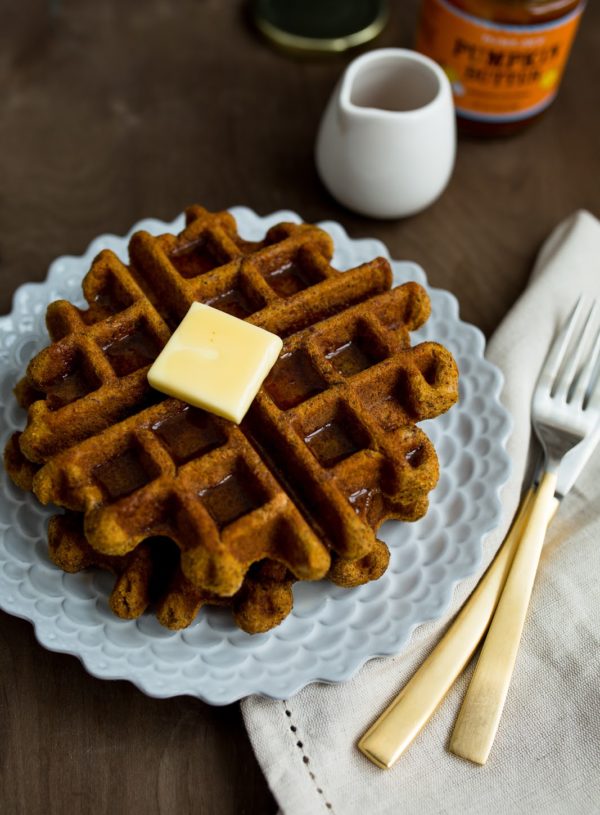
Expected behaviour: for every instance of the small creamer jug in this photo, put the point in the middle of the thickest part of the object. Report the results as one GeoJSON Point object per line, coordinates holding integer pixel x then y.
{"type": "Point", "coordinates": [387, 140]}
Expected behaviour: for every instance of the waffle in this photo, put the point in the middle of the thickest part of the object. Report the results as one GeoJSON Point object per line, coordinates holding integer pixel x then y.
{"type": "Point", "coordinates": [328, 451]}
{"type": "Point", "coordinates": [150, 575]}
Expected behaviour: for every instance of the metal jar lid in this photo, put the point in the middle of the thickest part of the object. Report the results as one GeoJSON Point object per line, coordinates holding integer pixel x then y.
{"type": "Point", "coordinates": [320, 26]}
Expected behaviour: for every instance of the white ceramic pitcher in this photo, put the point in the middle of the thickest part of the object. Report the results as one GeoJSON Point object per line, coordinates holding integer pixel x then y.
{"type": "Point", "coordinates": [387, 140]}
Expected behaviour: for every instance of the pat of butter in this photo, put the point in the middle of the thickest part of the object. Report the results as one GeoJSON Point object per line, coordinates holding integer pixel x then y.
{"type": "Point", "coordinates": [215, 361]}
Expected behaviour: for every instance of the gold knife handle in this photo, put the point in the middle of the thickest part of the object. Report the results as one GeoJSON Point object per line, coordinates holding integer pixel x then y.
{"type": "Point", "coordinates": [394, 730]}
{"type": "Point", "coordinates": [479, 716]}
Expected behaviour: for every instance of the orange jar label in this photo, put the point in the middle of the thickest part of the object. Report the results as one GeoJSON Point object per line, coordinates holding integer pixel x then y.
{"type": "Point", "coordinates": [498, 72]}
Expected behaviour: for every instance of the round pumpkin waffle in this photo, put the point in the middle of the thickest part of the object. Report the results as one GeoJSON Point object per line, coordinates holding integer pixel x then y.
{"type": "Point", "coordinates": [328, 451]}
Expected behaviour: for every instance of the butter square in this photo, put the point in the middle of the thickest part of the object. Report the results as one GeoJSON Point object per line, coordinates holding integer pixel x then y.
{"type": "Point", "coordinates": [215, 361]}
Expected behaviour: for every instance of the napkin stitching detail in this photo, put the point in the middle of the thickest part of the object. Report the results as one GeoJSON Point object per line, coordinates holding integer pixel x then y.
{"type": "Point", "coordinates": [305, 757]}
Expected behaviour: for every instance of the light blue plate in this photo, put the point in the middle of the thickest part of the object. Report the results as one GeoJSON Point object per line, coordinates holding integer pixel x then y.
{"type": "Point", "coordinates": [332, 631]}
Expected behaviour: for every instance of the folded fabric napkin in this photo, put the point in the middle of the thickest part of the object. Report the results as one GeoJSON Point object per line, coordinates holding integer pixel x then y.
{"type": "Point", "coordinates": [546, 757]}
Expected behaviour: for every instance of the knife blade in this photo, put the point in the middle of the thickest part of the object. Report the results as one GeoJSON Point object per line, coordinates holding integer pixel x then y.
{"type": "Point", "coordinates": [574, 462]}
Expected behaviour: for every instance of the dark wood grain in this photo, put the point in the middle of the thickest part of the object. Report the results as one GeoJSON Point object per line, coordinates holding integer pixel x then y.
{"type": "Point", "coordinates": [113, 111]}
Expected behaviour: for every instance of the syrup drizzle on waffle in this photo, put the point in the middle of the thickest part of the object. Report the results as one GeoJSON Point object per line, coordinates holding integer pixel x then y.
{"type": "Point", "coordinates": [328, 451]}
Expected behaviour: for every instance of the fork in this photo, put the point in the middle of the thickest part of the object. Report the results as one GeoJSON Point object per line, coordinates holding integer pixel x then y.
{"type": "Point", "coordinates": [565, 410]}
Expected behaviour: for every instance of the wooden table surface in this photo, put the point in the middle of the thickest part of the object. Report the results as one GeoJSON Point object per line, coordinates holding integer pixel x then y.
{"type": "Point", "coordinates": [113, 111]}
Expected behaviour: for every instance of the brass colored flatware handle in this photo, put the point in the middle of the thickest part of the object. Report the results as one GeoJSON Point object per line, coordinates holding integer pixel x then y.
{"type": "Point", "coordinates": [385, 741]}
{"type": "Point", "coordinates": [479, 716]}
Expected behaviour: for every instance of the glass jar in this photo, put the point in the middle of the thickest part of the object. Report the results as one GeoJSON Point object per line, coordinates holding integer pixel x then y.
{"type": "Point", "coordinates": [504, 58]}
{"type": "Point", "coordinates": [320, 26]}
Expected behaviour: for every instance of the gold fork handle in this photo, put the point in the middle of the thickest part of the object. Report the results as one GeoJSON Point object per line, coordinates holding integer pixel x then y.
{"type": "Point", "coordinates": [410, 711]}
{"type": "Point", "coordinates": [479, 716]}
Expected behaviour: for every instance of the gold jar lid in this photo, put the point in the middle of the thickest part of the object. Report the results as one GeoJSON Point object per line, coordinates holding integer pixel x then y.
{"type": "Point", "coordinates": [320, 26]}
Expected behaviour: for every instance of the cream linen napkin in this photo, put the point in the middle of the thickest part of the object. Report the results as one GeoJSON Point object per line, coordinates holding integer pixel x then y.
{"type": "Point", "coordinates": [546, 758]}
